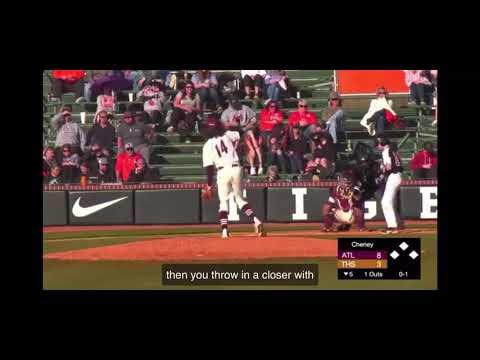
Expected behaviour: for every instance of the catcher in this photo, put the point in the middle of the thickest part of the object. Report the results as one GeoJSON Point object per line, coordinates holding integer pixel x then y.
{"type": "Point", "coordinates": [345, 205]}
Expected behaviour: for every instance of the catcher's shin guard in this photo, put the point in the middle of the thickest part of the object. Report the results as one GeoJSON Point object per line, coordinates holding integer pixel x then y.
{"type": "Point", "coordinates": [359, 214]}
{"type": "Point", "coordinates": [328, 215]}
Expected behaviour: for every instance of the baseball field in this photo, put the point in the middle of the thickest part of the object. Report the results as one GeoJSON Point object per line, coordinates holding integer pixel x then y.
{"type": "Point", "coordinates": [130, 257]}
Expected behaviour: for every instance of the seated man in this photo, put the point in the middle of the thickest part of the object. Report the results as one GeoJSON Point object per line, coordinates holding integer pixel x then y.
{"type": "Point", "coordinates": [140, 173]}
{"type": "Point", "coordinates": [240, 117]}
{"type": "Point", "coordinates": [136, 133]}
{"type": "Point", "coordinates": [344, 205]}
{"type": "Point", "coordinates": [104, 173]}
{"type": "Point", "coordinates": [68, 81]}
{"type": "Point", "coordinates": [425, 162]}
{"type": "Point", "coordinates": [126, 163]}
{"type": "Point", "coordinates": [307, 120]}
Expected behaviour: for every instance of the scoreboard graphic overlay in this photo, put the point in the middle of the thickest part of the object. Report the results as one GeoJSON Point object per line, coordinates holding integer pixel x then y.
{"type": "Point", "coordinates": [378, 259]}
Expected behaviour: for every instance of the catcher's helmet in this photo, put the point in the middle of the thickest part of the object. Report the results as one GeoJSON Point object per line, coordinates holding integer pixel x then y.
{"type": "Point", "coordinates": [346, 178]}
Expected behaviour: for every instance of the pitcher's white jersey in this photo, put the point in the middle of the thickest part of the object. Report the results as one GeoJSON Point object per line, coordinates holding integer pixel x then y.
{"type": "Point", "coordinates": [221, 151]}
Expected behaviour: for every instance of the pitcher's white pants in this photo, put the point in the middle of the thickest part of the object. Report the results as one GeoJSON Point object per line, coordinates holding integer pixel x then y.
{"type": "Point", "coordinates": [230, 179]}
{"type": "Point", "coordinates": [391, 189]}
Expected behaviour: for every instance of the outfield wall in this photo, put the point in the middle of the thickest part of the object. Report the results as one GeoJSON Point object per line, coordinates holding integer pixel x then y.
{"type": "Point", "coordinates": [182, 203]}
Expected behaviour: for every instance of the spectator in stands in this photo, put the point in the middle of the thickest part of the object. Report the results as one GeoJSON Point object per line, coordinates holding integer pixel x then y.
{"type": "Point", "coordinates": [186, 108]}
{"type": "Point", "coordinates": [253, 83]}
{"type": "Point", "coordinates": [272, 174]}
{"type": "Point", "coordinates": [101, 133]}
{"type": "Point", "coordinates": [379, 114]}
{"type": "Point", "coordinates": [306, 119]}
{"type": "Point", "coordinates": [296, 146]}
{"type": "Point", "coordinates": [49, 160]}
{"type": "Point", "coordinates": [84, 174]}
{"type": "Point", "coordinates": [271, 121]}
{"type": "Point", "coordinates": [92, 77]}
{"type": "Point", "coordinates": [319, 169]}
{"type": "Point", "coordinates": [104, 174]}
{"type": "Point", "coordinates": [126, 162]}
{"type": "Point", "coordinates": [206, 84]}
{"type": "Point", "coordinates": [140, 173]}
{"type": "Point", "coordinates": [55, 177]}
{"type": "Point", "coordinates": [68, 132]}
{"type": "Point", "coordinates": [68, 81]}
{"type": "Point", "coordinates": [176, 80]}
{"type": "Point", "coordinates": [70, 165]}
{"type": "Point", "coordinates": [153, 99]}
{"type": "Point", "coordinates": [323, 147]}
{"type": "Point", "coordinates": [145, 77]}
{"type": "Point", "coordinates": [275, 155]}
{"type": "Point", "coordinates": [425, 163]}
{"type": "Point", "coordinates": [106, 101]}
{"type": "Point", "coordinates": [136, 133]}
{"type": "Point", "coordinates": [334, 117]}
{"type": "Point", "coordinates": [240, 117]}
{"type": "Point", "coordinates": [93, 157]}
{"type": "Point", "coordinates": [420, 85]}
{"type": "Point", "coordinates": [277, 84]}
{"type": "Point", "coordinates": [115, 80]}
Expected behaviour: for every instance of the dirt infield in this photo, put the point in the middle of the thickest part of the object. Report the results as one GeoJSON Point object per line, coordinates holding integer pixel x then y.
{"type": "Point", "coordinates": [61, 229]}
{"type": "Point", "coordinates": [191, 247]}
{"type": "Point", "coordinates": [206, 248]}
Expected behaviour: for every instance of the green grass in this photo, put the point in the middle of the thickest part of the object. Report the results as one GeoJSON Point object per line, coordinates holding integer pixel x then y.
{"type": "Point", "coordinates": [146, 275]}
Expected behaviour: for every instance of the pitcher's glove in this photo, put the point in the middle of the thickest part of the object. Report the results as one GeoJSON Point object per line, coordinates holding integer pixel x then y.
{"type": "Point", "coordinates": [207, 193]}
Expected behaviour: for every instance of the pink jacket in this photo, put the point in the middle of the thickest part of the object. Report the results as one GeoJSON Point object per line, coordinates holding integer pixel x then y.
{"type": "Point", "coordinates": [415, 77]}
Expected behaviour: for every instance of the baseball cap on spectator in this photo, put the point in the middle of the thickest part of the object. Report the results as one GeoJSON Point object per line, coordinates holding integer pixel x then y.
{"type": "Point", "coordinates": [103, 161]}
{"type": "Point", "coordinates": [128, 146]}
{"type": "Point", "coordinates": [296, 125]}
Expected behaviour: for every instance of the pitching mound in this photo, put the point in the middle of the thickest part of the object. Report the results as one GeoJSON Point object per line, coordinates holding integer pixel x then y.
{"type": "Point", "coordinates": [239, 247]}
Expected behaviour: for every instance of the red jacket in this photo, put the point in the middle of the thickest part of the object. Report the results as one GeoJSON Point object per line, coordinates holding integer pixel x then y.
{"type": "Point", "coordinates": [423, 158]}
{"type": "Point", "coordinates": [125, 164]}
{"type": "Point", "coordinates": [69, 75]}
{"type": "Point", "coordinates": [267, 123]}
{"type": "Point", "coordinates": [309, 116]}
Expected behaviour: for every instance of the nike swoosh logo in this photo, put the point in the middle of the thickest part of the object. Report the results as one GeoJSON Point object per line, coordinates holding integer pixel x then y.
{"type": "Point", "coordinates": [80, 211]}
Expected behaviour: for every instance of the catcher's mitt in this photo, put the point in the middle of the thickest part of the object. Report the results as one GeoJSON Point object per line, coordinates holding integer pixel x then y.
{"type": "Point", "coordinates": [207, 193]}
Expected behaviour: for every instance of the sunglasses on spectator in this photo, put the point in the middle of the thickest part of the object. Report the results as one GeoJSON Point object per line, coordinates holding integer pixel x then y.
{"type": "Point", "coordinates": [102, 116]}
{"type": "Point", "coordinates": [303, 106]}
{"type": "Point", "coordinates": [129, 149]}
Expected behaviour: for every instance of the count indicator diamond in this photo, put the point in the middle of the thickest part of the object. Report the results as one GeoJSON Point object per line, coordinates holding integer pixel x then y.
{"type": "Point", "coordinates": [404, 246]}
{"type": "Point", "coordinates": [394, 254]}
{"type": "Point", "coordinates": [413, 254]}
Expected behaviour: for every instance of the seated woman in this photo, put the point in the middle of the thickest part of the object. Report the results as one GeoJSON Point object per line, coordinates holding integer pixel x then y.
{"type": "Point", "coordinates": [106, 101]}
{"type": "Point", "coordinates": [424, 163]}
{"type": "Point", "coordinates": [420, 84]}
{"type": "Point", "coordinates": [319, 169]}
{"type": "Point", "coordinates": [206, 84]}
{"type": "Point", "coordinates": [271, 118]}
{"type": "Point", "coordinates": [275, 155]}
{"type": "Point", "coordinates": [272, 174]}
{"type": "Point", "coordinates": [253, 83]}
{"type": "Point", "coordinates": [323, 147]}
{"type": "Point", "coordinates": [296, 147]}
{"type": "Point", "coordinates": [334, 117]}
{"type": "Point", "coordinates": [70, 164]}
{"type": "Point", "coordinates": [49, 161]}
{"type": "Point", "coordinates": [186, 108]}
{"type": "Point", "coordinates": [154, 100]}
{"type": "Point", "coordinates": [380, 113]}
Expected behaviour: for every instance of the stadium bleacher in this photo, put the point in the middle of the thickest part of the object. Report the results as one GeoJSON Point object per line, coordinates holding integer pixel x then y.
{"type": "Point", "coordinates": [180, 162]}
